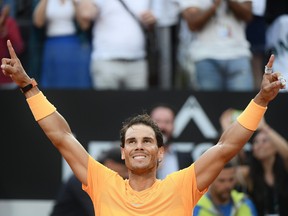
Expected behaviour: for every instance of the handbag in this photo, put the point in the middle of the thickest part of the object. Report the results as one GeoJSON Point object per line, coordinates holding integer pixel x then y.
{"type": "Point", "coordinates": [151, 47]}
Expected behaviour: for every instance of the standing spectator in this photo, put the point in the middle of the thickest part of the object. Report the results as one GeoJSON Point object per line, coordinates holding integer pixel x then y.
{"type": "Point", "coordinates": [73, 201]}
{"type": "Point", "coordinates": [65, 61]}
{"type": "Point", "coordinates": [173, 160]}
{"type": "Point", "coordinates": [220, 50]}
{"type": "Point", "coordinates": [9, 29]}
{"type": "Point", "coordinates": [277, 33]}
{"type": "Point", "coordinates": [268, 175]}
{"type": "Point", "coordinates": [118, 58]}
{"type": "Point", "coordinates": [222, 199]}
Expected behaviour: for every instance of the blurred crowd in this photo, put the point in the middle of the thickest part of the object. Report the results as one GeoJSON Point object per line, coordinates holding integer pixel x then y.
{"type": "Point", "coordinates": [206, 45]}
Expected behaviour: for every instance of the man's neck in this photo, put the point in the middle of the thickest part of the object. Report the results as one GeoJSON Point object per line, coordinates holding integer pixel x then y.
{"type": "Point", "coordinates": [141, 182]}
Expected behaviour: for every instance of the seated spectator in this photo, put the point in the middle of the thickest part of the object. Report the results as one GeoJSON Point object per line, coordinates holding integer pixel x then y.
{"type": "Point", "coordinates": [268, 174]}
{"type": "Point", "coordinates": [223, 199]}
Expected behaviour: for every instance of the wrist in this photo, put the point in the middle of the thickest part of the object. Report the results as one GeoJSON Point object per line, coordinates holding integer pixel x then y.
{"type": "Point", "coordinates": [251, 116]}
{"type": "Point", "coordinates": [31, 84]}
{"type": "Point", "coordinates": [261, 101]}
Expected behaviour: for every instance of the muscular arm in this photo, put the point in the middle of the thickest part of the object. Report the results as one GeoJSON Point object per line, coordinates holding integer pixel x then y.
{"type": "Point", "coordinates": [209, 165]}
{"type": "Point", "coordinates": [54, 125]}
{"type": "Point", "coordinates": [59, 133]}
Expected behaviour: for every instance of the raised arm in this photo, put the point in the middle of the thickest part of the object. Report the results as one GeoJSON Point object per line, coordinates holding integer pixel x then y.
{"type": "Point", "coordinates": [53, 124]}
{"type": "Point", "coordinates": [209, 165]}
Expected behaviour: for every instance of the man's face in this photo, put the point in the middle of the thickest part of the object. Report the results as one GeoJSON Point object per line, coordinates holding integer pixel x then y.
{"type": "Point", "coordinates": [164, 117]}
{"type": "Point", "coordinates": [222, 186]}
{"type": "Point", "coordinates": [140, 151]}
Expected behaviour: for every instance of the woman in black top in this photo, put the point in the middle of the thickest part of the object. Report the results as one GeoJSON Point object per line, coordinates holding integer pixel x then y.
{"type": "Point", "coordinates": [268, 173]}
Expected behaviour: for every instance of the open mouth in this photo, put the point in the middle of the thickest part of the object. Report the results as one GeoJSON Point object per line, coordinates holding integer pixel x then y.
{"type": "Point", "coordinates": [139, 157]}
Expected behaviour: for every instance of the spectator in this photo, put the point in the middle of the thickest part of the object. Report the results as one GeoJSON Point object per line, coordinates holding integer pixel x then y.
{"type": "Point", "coordinates": [220, 50]}
{"type": "Point", "coordinates": [9, 29]}
{"type": "Point", "coordinates": [268, 175]}
{"type": "Point", "coordinates": [118, 59]}
{"type": "Point", "coordinates": [65, 61]}
{"type": "Point", "coordinates": [72, 200]}
{"type": "Point", "coordinates": [222, 199]}
{"type": "Point", "coordinates": [173, 160]}
{"type": "Point", "coordinates": [276, 35]}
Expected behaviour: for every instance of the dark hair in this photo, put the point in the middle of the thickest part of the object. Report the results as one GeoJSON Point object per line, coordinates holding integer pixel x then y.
{"type": "Point", "coordinates": [143, 119]}
{"type": "Point", "coordinates": [164, 105]}
{"type": "Point", "coordinates": [258, 189]}
{"type": "Point", "coordinates": [113, 154]}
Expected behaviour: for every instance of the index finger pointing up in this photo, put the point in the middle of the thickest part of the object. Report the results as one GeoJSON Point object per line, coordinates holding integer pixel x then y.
{"type": "Point", "coordinates": [11, 50]}
{"type": "Point", "coordinates": [271, 61]}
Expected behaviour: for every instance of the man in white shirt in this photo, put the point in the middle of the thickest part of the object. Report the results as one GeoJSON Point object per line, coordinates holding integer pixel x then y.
{"type": "Point", "coordinates": [118, 58]}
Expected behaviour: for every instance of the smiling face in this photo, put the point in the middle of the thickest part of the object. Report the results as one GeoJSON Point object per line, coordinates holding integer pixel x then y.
{"type": "Point", "coordinates": [140, 150]}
